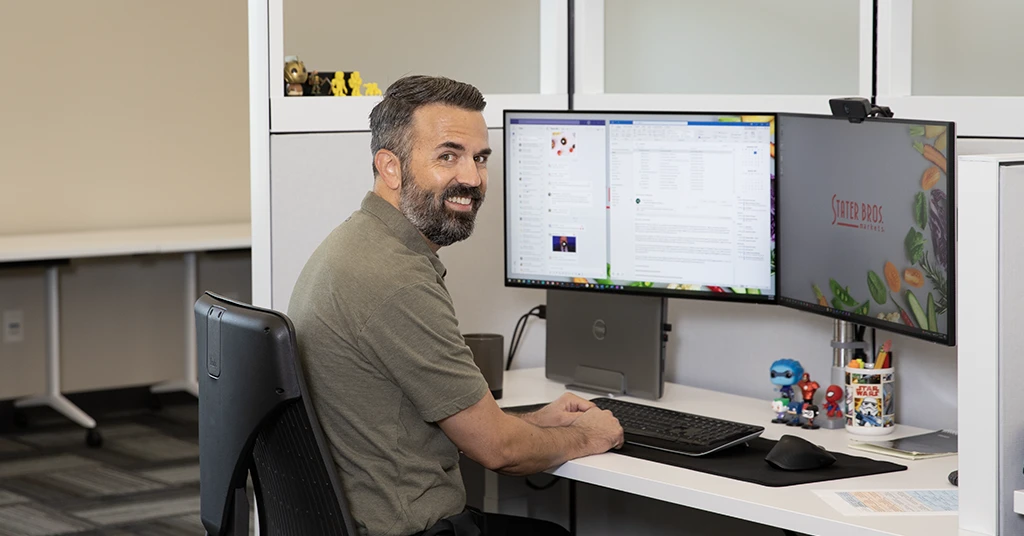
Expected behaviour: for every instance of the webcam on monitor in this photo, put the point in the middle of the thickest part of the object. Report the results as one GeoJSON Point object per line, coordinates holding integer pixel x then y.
{"type": "Point", "coordinates": [857, 109]}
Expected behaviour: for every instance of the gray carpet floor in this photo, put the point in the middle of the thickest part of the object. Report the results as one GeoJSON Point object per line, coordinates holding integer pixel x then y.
{"type": "Point", "coordinates": [144, 480]}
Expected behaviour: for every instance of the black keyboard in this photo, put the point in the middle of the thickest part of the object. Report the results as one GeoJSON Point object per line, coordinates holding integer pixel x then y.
{"type": "Point", "coordinates": [675, 431]}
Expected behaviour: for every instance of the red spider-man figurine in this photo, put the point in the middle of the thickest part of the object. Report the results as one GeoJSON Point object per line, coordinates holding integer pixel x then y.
{"type": "Point", "coordinates": [808, 387]}
{"type": "Point", "coordinates": [833, 395]}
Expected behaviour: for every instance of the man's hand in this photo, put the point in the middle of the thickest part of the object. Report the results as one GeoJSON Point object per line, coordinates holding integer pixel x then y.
{"type": "Point", "coordinates": [561, 412]}
{"type": "Point", "coordinates": [601, 429]}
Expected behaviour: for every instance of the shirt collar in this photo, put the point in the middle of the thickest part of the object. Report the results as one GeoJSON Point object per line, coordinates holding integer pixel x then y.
{"type": "Point", "coordinates": [407, 234]}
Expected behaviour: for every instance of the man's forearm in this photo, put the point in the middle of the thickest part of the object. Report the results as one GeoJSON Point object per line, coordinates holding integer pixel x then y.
{"type": "Point", "coordinates": [532, 449]}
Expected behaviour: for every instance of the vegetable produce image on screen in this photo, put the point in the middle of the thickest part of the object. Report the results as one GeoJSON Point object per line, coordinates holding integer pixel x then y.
{"type": "Point", "coordinates": [870, 217]}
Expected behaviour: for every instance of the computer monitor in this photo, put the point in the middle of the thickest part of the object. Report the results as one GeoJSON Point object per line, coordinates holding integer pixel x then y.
{"type": "Point", "coordinates": [866, 222]}
{"type": "Point", "coordinates": [657, 204]}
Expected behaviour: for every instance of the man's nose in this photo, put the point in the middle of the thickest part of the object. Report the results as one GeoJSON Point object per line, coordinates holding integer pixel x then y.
{"type": "Point", "coordinates": [470, 174]}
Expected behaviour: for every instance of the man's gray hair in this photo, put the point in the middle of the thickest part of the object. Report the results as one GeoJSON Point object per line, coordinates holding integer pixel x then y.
{"type": "Point", "coordinates": [391, 118]}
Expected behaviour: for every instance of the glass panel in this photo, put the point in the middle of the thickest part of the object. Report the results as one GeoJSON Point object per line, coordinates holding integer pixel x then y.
{"type": "Point", "coordinates": [796, 47]}
{"type": "Point", "coordinates": [967, 48]}
{"type": "Point", "coordinates": [492, 45]}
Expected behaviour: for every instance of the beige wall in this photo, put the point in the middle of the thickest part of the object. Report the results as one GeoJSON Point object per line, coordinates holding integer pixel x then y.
{"type": "Point", "coordinates": [122, 113]}
{"type": "Point", "coordinates": [493, 45]}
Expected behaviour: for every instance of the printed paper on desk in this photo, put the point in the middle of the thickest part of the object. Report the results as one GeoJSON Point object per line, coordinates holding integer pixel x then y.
{"type": "Point", "coordinates": [893, 502]}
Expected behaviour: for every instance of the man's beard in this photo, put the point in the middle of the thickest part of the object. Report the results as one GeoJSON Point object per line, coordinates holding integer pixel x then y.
{"type": "Point", "coordinates": [428, 213]}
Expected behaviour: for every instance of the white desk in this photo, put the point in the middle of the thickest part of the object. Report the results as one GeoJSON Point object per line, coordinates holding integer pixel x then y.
{"type": "Point", "coordinates": [54, 248]}
{"type": "Point", "coordinates": [794, 508]}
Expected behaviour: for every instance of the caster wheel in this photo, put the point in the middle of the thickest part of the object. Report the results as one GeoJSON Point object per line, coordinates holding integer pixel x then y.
{"type": "Point", "coordinates": [20, 419]}
{"type": "Point", "coordinates": [93, 438]}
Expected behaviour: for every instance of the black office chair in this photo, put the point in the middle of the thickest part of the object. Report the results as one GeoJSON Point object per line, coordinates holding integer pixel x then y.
{"type": "Point", "coordinates": [256, 420]}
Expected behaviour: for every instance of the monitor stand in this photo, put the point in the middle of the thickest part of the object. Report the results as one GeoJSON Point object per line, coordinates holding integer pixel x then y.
{"type": "Point", "coordinates": [608, 344]}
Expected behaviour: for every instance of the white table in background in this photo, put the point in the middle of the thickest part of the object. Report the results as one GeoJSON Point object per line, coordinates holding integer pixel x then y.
{"type": "Point", "coordinates": [58, 247]}
{"type": "Point", "coordinates": [795, 508]}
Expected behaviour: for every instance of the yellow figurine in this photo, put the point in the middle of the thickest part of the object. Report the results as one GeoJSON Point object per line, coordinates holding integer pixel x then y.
{"type": "Point", "coordinates": [338, 85]}
{"type": "Point", "coordinates": [354, 83]}
{"type": "Point", "coordinates": [372, 90]}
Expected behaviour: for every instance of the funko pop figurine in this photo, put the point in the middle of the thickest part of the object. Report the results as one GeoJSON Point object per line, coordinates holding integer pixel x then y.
{"type": "Point", "coordinates": [808, 387]}
{"type": "Point", "coordinates": [833, 395]}
{"type": "Point", "coordinates": [793, 413]}
{"type": "Point", "coordinates": [810, 413]}
{"type": "Point", "coordinates": [785, 374]}
{"type": "Point", "coordinates": [779, 406]}
{"type": "Point", "coordinates": [294, 75]}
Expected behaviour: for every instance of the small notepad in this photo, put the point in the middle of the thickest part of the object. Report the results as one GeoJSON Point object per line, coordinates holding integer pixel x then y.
{"type": "Point", "coordinates": [919, 447]}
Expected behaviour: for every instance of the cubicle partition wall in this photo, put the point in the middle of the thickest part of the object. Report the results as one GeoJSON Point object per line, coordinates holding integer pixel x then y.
{"type": "Point", "coordinates": [311, 159]}
{"type": "Point", "coordinates": [990, 288]}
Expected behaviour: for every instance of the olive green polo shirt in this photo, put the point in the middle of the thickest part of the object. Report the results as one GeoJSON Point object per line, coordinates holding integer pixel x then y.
{"type": "Point", "coordinates": [384, 361]}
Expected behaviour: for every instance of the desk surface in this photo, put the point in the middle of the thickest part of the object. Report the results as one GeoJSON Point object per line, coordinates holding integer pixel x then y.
{"type": "Point", "coordinates": [794, 507]}
{"type": "Point", "coordinates": [152, 240]}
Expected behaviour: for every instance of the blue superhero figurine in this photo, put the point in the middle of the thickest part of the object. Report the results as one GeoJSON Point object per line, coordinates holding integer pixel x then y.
{"type": "Point", "coordinates": [786, 373]}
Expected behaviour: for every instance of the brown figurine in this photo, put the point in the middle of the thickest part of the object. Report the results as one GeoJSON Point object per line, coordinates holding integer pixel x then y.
{"type": "Point", "coordinates": [294, 75]}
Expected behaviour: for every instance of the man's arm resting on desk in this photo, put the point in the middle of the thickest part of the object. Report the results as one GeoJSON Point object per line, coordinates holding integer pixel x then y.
{"type": "Point", "coordinates": [514, 446]}
{"type": "Point", "coordinates": [561, 412]}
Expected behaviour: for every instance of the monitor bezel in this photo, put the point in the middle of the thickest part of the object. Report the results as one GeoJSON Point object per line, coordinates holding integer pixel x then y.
{"type": "Point", "coordinates": [762, 299]}
{"type": "Point", "coordinates": [947, 340]}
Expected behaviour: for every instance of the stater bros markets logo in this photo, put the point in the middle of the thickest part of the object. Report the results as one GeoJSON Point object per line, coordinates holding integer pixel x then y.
{"type": "Point", "coordinates": [853, 214]}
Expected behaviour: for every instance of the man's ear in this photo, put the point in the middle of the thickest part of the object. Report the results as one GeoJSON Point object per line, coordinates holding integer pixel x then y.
{"type": "Point", "coordinates": [388, 168]}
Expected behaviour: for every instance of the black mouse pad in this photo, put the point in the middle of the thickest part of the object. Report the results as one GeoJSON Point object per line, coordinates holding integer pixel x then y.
{"type": "Point", "coordinates": [747, 463]}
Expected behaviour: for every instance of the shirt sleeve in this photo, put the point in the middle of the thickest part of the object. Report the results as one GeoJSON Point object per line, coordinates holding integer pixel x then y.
{"type": "Point", "coordinates": [414, 338]}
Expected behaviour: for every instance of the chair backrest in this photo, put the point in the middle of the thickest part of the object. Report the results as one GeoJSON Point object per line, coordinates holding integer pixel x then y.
{"type": "Point", "coordinates": [256, 420]}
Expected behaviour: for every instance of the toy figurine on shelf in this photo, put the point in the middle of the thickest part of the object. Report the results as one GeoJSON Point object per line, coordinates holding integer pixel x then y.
{"type": "Point", "coordinates": [808, 387]}
{"type": "Point", "coordinates": [355, 81]}
{"type": "Point", "coordinates": [785, 373]}
{"type": "Point", "coordinates": [372, 90]}
{"type": "Point", "coordinates": [833, 395]}
{"type": "Point", "coordinates": [810, 413]}
{"type": "Point", "coordinates": [779, 406]}
{"type": "Point", "coordinates": [338, 88]}
{"type": "Point", "coordinates": [316, 83]}
{"type": "Point", "coordinates": [295, 75]}
{"type": "Point", "coordinates": [793, 413]}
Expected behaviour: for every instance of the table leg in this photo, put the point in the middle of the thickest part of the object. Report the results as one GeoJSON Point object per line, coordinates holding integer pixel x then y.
{"type": "Point", "coordinates": [190, 383]}
{"type": "Point", "coordinates": [572, 507]}
{"type": "Point", "coordinates": [53, 396]}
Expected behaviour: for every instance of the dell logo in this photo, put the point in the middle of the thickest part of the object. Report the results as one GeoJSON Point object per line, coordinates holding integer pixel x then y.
{"type": "Point", "coordinates": [600, 329]}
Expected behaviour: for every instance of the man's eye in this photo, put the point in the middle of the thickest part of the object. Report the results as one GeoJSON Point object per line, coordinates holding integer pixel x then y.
{"type": "Point", "coordinates": [481, 159]}
{"type": "Point", "coordinates": [447, 157]}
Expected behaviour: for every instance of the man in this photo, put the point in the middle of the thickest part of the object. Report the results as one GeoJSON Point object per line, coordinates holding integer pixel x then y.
{"type": "Point", "coordinates": [393, 383]}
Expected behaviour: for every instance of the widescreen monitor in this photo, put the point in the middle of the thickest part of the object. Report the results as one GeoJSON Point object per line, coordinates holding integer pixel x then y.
{"type": "Point", "coordinates": [866, 222]}
{"type": "Point", "coordinates": [659, 204]}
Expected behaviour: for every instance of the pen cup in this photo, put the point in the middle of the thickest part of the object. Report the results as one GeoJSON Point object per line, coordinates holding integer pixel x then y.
{"type": "Point", "coordinates": [870, 401]}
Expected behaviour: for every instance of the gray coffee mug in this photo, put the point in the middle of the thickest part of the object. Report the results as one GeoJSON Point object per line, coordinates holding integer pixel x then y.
{"type": "Point", "coordinates": [488, 354]}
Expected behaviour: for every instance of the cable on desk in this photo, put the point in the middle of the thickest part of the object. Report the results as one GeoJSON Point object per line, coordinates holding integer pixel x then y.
{"type": "Point", "coordinates": [542, 487]}
{"type": "Point", "coordinates": [539, 311]}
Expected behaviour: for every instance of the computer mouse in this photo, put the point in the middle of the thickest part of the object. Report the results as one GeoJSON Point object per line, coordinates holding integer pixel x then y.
{"type": "Point", "coordinates": [794, 453]}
